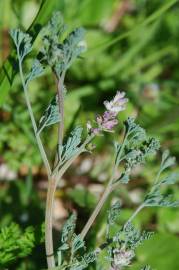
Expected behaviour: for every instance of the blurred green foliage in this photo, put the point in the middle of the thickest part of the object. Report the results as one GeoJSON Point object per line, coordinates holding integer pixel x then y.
{"type": "Point", "coordinates": [133, 48]}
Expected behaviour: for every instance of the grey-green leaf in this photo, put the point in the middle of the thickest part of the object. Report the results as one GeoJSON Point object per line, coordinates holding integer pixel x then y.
{"type": "Point", "coordinates": [51, 115]}
{"type": "Point", "coordinates": [71, 147]}
{"type": "Point", "coordinates": [37, 70]}
{"type": "Point", "coordinates": [77, 243]}
{"type": "Point", "coordinates": [68, 228]}
{"type": "Point", "coordinates": [170, 179]}
{"type": "Point", "coordinates": [23, 42]}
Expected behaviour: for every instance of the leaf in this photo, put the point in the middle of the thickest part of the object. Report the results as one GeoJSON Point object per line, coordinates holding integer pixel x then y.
{"type": "Point", "coordinates": [137, 133]}
{"type": "Point", "coordinates": [133, 237]}
{"type": "Point", "coordinates": [170, 161]}
{"type": "Point", "coordinates": [22, 41]}
{"type": "Point", "coordinates": [155, 198]}
{"type": "Point", "coordinates": [55, 27]}
{"type": "Point", "coordinates": [124, 179]}
{"type": "Point", "coordinates": [36, 71]}
{"type": "Point", "coordinates": [64, 54]}
{"type": "Point", "coordinates": [50, 116]}
{"type": "Point", "coordinates": [113, 213]}
{"type": "Point", "coordinates": [68, 228]}
{"type": "Point", "coordinates": [77, 243]}
{"type": "Point", "coordinates": [84, 261]}
{"type": "Point", "coordinates": [170, 179]}
{"type": "Point", "coordinates": [57, 53]}
{"type": "Point", "coordinates": [71, 147]}
{"type": "Point", "coordinates": [7, 72]}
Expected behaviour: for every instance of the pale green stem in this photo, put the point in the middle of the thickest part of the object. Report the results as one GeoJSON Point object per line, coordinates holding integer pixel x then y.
{"type": "Point", "coordinates": [60, 94]}
{"type": "Point", "coordinates": [49, 223]}
{"type": "Point", "coordinates": [105, 195]}
{"type": "Point", "coordinates": [49, 202]}
{"type": "Point", "coordinates": [39, 142]}
{"type": "Point", "coordinates": [52, 185]}
{"type": "Point", "coordinates": [158, 176]}
{"type": "Point", "coordinates": [135, 214]}
{"type": "Point", "coordinates": [95, 212]}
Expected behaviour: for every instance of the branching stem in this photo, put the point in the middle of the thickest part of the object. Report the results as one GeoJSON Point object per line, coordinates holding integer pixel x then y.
{"type": "Point", "coordinates": [51, 182]}
{"type": "Point", "coordinates": [52, 185]}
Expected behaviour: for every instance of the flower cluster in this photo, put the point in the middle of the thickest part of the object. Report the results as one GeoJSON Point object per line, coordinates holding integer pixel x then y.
{"type": "Point", "coordinates": [108, 120]}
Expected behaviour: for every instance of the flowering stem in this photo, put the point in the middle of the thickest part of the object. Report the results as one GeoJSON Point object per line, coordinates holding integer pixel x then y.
{"type": "Point", "coordinates": [96, 211]}
{"type": "Point", "coordinates": [107, 191]}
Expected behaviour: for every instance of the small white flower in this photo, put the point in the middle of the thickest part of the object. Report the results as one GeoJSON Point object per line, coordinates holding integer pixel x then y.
{"type": "Point", "coordinates": [117, 104]}
{"type": "Point", "coordinates": [118, 96]}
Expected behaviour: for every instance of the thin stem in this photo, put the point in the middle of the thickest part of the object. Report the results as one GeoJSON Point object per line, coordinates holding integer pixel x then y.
{"type": "Point", "coordinates": [158, 176]}
{"type": "Point", "coordinates": [60, 94]}
{"type": "Point", "coordinates": [134, 214]}
{"type": "Point", "coordinates": [111, 240]}
{"type": "Point", "coordinates": [52, 185]}
{"type": "Point", "coordinates": [51, 191]}
{"type": "Point", "coordinates": [60, 171]}
{"type": "Point", "coordinates": [61, 111]}
{"type": "Point", "coordinates": [38, 139]}
{"type": "Point", "coordinates": [95, 212]}
{"type": "Point", "coordinates": [49, 223]}
{"type": "Point", "coordinates": [107, 191]}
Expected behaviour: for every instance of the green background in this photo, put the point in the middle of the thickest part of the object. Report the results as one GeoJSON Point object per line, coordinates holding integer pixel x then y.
{"type": "Point", "coordinates": [133, 46]}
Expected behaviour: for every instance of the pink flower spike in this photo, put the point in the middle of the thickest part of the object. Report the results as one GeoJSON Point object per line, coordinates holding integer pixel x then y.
{"type": "Point", "coordinates": [109, 125]}
{"type": "Point", "coordinates": [109, 115]}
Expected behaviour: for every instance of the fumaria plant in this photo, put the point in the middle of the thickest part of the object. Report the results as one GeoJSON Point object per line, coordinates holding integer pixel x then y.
{"type": "Point", "coordinates": [59, 51]}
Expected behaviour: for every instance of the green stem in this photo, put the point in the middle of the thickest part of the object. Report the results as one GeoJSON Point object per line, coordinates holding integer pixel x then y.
{"type": "Point", "coordinates": [52, 185]}
{"type": "Point", "coordinates": [105, 195]}
{"type": "Point", "coordinates": [49, 223]}
{"type": "Point", "coordinates": [134, 214]}
{"type": "Point", "coordinates": [60, 94]}
{"type": "Point", "coordinates": [111, 240]}
{"type": "Point", "coordinates": [38, 139]}
{"type": "Point", "coordinates": [50, 193]}
{"type": "Point", "coordinates": [158, 176]}
{"type": "Point", "coordinates": [95, 212]}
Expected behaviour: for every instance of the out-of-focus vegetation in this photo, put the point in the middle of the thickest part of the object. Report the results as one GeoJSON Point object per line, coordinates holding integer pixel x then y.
{"type": "Point", "coordinates": [132, 46]}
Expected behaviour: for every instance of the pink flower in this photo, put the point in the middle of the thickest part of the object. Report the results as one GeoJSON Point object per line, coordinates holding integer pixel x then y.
{"type": "Point", "coordinates": [110, 124]}
{"type": "Point", "coordinates": [108, 120]}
